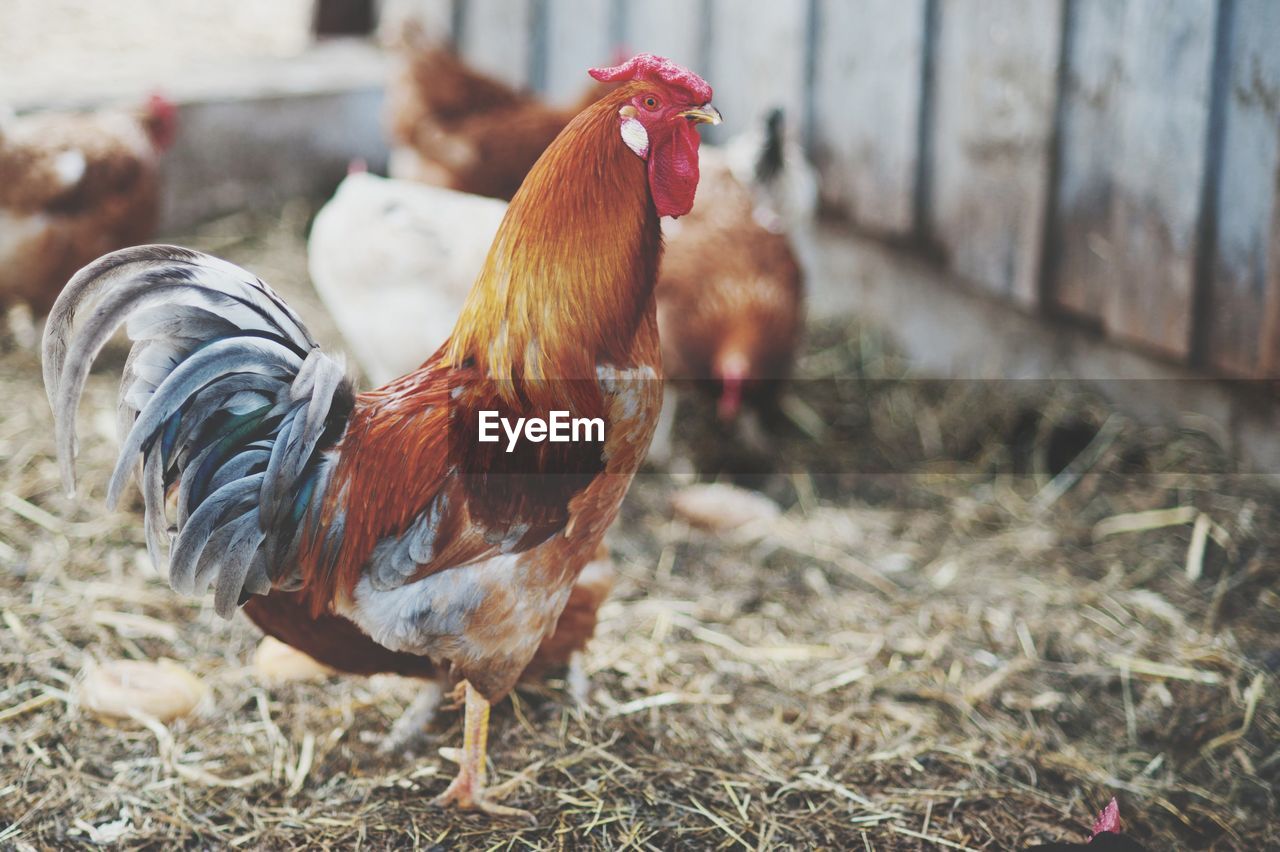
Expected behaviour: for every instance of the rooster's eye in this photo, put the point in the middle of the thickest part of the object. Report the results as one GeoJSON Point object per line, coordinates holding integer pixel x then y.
{"type": "Point", "coordinates": [651, 102]}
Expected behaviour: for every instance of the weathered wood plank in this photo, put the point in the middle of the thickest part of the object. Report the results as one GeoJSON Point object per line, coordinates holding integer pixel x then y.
{"type": "Point", "coordinates": [1079, 249]}
{"type": "Point", "coordinates": [497, 38]}
{"type": "Point", "coordinates": [1166, 66]}
{"type": "Point", "coordinates": [757, 60]}
{"type": "Point", "coordinates": [996, 84]}
{"type": "Point", "coordinates": [1269, 356]}
{"type": "Point", "coordinates": [671, 28]}
{"type": "Point", "coordinates": [867, 91]}
{"type": "Point", "coordinates": [578, 38]}
{"type": "Point", "coordinates": [1244, 280]}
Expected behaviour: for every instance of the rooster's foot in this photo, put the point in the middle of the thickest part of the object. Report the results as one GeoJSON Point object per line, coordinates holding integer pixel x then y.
{"type": "Point", "coordinates": [464, 794]}
{"type": "Point", "coordinates": [467, 791]}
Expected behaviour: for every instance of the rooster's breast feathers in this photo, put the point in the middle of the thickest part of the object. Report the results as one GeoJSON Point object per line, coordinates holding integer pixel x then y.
{"type": "Point", "coordinates": [414, 491]}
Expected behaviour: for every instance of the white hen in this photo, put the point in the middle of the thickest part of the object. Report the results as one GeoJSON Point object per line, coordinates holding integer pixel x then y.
{"type": "Point", "coordinates": [393, 262]}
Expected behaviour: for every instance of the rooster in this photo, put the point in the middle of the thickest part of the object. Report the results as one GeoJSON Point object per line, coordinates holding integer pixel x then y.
{"type": "Point", "coordinates": [73, 187]}
{"type": "Point", "coordinates": [379, 516]}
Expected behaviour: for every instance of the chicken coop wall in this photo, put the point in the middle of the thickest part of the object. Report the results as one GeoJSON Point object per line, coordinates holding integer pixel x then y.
{"type": "Point", "coordinates": [1107, 163]}
{"type": "Point", "coordinates": [1113, 164]}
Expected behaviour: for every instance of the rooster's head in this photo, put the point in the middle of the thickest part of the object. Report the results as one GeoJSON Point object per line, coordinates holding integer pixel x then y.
{"type": "Point", "coordinates": [663, 105]}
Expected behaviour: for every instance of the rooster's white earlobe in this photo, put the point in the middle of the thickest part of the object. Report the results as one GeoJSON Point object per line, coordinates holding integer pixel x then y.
{"type": "Point", "coordinates": [633, 132]}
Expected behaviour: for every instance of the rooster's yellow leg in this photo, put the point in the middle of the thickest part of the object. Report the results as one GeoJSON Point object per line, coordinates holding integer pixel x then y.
{"type": "Point", "coordinates": [468, 790]}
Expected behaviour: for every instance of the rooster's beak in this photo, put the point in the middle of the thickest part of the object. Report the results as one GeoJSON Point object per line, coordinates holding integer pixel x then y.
{"type": "Point", "coordinates": [705, 114]}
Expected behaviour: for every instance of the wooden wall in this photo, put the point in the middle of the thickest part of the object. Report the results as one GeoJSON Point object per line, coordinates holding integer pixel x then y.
{"type": "Point", "coordinates": [1111, 162]}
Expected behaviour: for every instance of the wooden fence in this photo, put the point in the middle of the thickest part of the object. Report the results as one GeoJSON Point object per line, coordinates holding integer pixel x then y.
{"type": "Point", "coordinates": [1116, 162]}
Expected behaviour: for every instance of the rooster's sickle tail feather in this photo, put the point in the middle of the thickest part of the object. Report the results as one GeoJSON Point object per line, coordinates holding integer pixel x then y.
{"type": "Point", "coordinates": [225, 397]}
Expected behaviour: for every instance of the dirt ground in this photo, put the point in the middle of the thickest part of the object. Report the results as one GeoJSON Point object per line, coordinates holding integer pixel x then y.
{"type": "Point", "coordinates": [984, 611]}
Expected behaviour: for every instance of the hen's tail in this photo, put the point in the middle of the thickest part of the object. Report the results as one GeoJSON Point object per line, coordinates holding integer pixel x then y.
{"type": "Point", "coordinates": [226, 402]}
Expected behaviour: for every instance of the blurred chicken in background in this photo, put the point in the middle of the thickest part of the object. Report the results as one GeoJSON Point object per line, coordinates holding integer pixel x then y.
{"type": "Point", "coordinates": [454, 127]}
{"type": "Point", "coordinates": [730, 296]}
{"type": "Point", "coordinates": [768, 159]}
{"type": "Point", "coordinates": [393, 261]}
{"type": "Point", "coordinates": [73, 187]}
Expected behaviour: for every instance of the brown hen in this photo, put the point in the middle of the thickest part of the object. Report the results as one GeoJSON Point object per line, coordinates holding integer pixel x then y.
{"type": "Point", "coordinates": [73, 187]}
{"type": "Point", "coordinates": [455, 127]}
{"type": "Point", "coordinates": [730, 297]}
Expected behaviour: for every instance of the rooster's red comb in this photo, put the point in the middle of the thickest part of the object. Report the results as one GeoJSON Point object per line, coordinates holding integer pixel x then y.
{"type": "Point", "coordinates": [646, 66]}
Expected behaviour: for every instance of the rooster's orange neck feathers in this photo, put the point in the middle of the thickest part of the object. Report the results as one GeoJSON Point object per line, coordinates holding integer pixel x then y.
{"type": "Point", "coordinates": [570, 276]}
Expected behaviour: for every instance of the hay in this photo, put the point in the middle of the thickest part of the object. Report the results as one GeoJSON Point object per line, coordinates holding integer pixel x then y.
{"type": "Point", "coordinates": [934, 654]}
